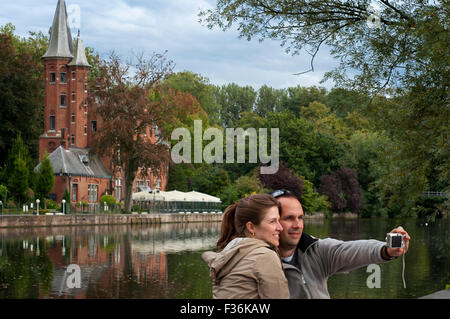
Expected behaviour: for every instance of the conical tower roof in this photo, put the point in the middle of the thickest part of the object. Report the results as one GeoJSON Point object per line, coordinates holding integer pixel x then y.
{"type": "Point", "coordinates": [60, 44]}
{"type": "Point", "coordinates": [79, 58]}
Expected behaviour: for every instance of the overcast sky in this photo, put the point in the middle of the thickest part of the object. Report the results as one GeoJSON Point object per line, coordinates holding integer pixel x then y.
{"type": "Point", "coordinates": [148, 26]}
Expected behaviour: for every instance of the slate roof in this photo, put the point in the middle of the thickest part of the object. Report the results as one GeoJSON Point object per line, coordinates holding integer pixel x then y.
{"type": "Point", "coordinates": [79, 54]}
{"type": "Point", "coordinates": [60, 44]}
{"type": "Point", "coordinates": [76, 162]}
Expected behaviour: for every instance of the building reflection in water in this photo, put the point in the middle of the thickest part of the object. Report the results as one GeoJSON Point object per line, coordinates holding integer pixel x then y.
{"type": "Point", "coordinates": [115, 261]}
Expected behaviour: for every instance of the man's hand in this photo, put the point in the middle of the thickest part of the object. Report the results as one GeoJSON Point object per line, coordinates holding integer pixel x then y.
{"type": "Point", "coordinates": [395, 252]}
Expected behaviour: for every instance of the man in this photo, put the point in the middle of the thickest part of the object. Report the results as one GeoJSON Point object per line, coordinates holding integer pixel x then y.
{"type": "Point", "coordinates": [308, 262]}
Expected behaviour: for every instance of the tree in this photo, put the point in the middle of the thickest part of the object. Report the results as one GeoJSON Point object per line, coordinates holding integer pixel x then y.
{"type": "Point", "coordinates": [306, 150]}
{"type": "Point", "coordinates": [342, 189]}
{"type": "Point", "coordinates": [134, 107]}
{"type": "Point", "coordinates": [400, 50]}
{"type": "Point", "coordinates": [311, 200]}
{"type": "Point", "coordinates": [269, 100]}
{"type": "Point", "coordinates": [18, 180]}
{"type": "Point", "coordinates": [21, 89]}
{"type": "Point", "coordinates": [199, 87]}
{"type": "Point", "coordinates": [397, 44]}
{"type": "Point", "coordinates": [45, 179]}
{"type": "Point", "coordinates": [234, 100]}
{"type": "Point", "coordinates": [285, 178]}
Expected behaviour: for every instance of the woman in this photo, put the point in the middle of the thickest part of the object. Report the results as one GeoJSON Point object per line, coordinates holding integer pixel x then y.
{"type": "Point", "coordinates": [247, 265]}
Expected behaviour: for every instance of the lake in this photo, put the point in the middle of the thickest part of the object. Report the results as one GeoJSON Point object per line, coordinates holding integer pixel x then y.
{"type": "Point", "coordinates": [163, 261]}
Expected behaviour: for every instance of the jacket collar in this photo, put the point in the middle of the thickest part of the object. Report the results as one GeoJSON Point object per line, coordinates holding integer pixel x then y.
{"type": "Point", "coordinates": [306, 241]}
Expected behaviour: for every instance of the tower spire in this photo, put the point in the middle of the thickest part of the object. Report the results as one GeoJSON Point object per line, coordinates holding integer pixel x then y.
{"type": "Point", "coordinates": [79, 53]}
{"type": "Point", "coordinates": [60, 44]}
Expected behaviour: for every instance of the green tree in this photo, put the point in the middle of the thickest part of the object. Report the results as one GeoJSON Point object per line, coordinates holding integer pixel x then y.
{"type": "Point", "coordinates": [306, 150]}
{"type": "Point", "coordinates": [269, 100]}
{"type": "Point", "coordinates": [404, 54]}
{"type": "Point", "coordinates": [234, 100]}
{"type": "Point", "coordinates": [18, 180]}
{"type": "Point", "coordinates": [45, 179]}
{"type": "Point", "coordinates": [21, 89]}
{"type": "Point", "coordinates": [302, 96]}
{"type": "Point", "coordinates": [312, 201]}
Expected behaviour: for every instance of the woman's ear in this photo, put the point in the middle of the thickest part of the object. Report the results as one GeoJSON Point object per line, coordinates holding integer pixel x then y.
{"type": "Point", "coordinates": [250, 227]}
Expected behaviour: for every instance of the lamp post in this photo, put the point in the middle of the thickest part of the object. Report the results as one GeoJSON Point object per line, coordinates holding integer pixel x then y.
{"type": "Point", "coordinates": [37, 205]}
{"type": "Point", "coordinates": [64, 206]}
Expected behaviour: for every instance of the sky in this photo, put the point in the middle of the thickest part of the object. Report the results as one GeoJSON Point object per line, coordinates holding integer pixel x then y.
{"type": "Point", "coordinates": [128, 27]}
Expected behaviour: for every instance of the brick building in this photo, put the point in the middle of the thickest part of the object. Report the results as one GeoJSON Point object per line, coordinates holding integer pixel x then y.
{"type": "Point", "coordinates": [70, 122]}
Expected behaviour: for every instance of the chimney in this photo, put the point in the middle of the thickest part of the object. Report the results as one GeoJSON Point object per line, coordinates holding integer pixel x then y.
{"type": "Point", "coordinates": [64, 139]}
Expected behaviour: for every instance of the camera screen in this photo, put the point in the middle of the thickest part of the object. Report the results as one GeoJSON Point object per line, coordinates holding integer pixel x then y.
{"type": "Point", "coordinates": [397, 241]}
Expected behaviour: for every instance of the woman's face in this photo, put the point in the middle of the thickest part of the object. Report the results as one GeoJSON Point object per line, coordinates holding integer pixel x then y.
{"type": "Point", "coordinates": [270, 228]}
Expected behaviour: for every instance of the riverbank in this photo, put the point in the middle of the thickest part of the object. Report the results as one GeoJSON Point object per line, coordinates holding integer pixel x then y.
{"type": "Point", "coordinates": [9, 221]}
{"type": "Point", "coordinates": [104, 219]}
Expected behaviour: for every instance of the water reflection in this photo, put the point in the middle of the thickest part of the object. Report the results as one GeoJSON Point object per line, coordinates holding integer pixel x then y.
{"type": "Point", "coordinates": [114, 261]}
{"type": "Point", "coordinates": [164, 261]}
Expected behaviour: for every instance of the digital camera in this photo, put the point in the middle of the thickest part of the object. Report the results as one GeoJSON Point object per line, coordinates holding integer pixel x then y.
{"type": "Point", "coordinates": [395, 240]}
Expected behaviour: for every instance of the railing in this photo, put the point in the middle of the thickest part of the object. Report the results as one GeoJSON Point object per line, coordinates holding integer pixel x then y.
{"type": "Point", "coordinates": [435, 194]}
{"type": "Point", "coordinates": [151, 207]}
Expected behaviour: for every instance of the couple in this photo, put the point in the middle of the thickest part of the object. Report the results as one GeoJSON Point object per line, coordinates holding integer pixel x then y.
{"type": "Point", "coordinates": [264, 253]}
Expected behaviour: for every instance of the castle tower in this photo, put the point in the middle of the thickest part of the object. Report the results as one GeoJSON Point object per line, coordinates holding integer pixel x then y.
{"type": "Point", "coordinates": [65, 73]}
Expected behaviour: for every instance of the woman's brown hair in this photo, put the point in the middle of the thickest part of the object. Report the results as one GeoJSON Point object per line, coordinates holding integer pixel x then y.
{"type": "Point", "coordinates": [249, 209]}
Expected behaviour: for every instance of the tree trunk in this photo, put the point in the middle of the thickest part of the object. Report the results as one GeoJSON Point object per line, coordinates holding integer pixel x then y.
{"type": "Point", "coordinates": [130, 173]}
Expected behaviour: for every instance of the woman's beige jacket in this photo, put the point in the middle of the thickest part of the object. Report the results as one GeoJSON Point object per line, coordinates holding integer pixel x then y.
{"type": "Point", "coordinates": [247, 269]}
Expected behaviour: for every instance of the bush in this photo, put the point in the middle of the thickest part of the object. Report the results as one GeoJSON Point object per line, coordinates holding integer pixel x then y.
{"type": "Point", "coordinates": [343, 190]}
{"type": "Point", "coordinates": [51, 204]}
{"type": "Point", "coordinates": [109, 199]}
{"type": "Point", "coordinates": [312, 201]}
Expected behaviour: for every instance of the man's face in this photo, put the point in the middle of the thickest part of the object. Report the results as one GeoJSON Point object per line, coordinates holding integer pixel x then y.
{"type": "Point", "coordinates": [292, 221]}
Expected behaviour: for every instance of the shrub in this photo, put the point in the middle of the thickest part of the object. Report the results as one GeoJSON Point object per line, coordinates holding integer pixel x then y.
{"type": "Point", "coordinates": [109, 199]}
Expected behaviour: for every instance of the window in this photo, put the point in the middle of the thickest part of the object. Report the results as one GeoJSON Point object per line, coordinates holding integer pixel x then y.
{"type": "Point", "coordinates": [94, 126]}
{"type": "Point", "coordinates": [73, 118]}
{"type": "Point", "coordinates": [85, 130]}
{"type": "Point", "coordinates": [52, 77]}
{"type": "Point", "coordinates": [63, 100]}
{"type": "Point", "coordinates": [52, 122]}
{"type": "Point", "coordinates": [74, 192]}
{"type": "Point", "coordinates": [92, 193]}
{"type": "Point", "coordinates": [62, 77]}
{"type": "Point", "coordinates": [72, 139]}
{"type": "Point", "coordinates": [74, 75]}
{"type": "Point", "coordinates": [73, 97]}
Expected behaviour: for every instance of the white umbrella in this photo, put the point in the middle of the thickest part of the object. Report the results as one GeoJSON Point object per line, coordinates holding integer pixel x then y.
{"type": "Point", "coordinates": [205, 197]}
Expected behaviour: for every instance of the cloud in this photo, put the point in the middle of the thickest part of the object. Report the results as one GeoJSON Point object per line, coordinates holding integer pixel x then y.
{"type": "Point", "coordinates": [127, 26]}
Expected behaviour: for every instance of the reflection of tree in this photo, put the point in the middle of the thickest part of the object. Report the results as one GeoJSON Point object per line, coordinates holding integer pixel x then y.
{"type": "Point", "coordinates": [24, 274]}
{"type": "Point", "coordinates": [188, 276]}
